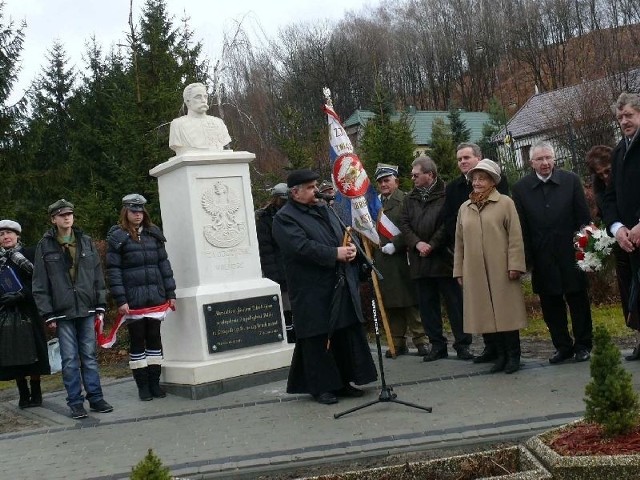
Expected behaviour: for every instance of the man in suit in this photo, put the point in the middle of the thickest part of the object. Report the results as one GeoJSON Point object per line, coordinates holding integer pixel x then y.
{"type": "Point", "coordinates": [621, 203]}
{"type": "Point", "coordinates": [552, 207]}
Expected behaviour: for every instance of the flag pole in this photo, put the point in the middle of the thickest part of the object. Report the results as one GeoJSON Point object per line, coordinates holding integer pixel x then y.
{"type": "Point", "coordinates": [383, 311]}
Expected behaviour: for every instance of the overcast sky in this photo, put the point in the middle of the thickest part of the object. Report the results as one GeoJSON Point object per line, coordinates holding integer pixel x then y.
{"type": "Point", "coordinates": [72, 22]}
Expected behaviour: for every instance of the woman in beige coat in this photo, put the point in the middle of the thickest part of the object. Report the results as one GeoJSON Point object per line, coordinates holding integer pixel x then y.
{"type": "Point", "coordinates": [489, 257]}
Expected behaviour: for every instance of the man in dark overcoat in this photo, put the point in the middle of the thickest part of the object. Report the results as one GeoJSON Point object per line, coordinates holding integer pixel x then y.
{"type": "Point", "coordinates": [552, 207]}
{"type": "Point", "coordinates": [331, 347]}
{"type": "Point", "coordinates": [457, 192]}
{"type": "Point", "coordinates": [398, 290]}
{"type": "Point", "coordinates": [621, 204]}
{"type": "Point", "coordinates": [431, 261]}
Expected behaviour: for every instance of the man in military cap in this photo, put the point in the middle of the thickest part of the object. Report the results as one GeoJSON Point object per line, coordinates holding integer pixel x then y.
{"type": "Point", "coordinates": [398, 290]}
{"type": "Point", "coordinates": [331, 345]}
{"type": "Point", "coordinates": [69, 291]}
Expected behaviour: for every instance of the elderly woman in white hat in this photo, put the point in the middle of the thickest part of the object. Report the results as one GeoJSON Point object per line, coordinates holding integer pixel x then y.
{"type": "Point", "coordinates": [489, 260]}
{"type": "Point", "coordinates": [23, 344]}
{"type": "Point", "coordinates": [140, 277]}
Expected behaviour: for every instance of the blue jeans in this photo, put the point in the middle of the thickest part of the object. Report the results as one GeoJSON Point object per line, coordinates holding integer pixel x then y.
{"type": "Point", "coordinates": [77, 339]}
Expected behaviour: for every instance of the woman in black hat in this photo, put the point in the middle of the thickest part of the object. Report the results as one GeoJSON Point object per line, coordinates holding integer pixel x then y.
{"type": "Point", "coordinates": [140, 277]}
{"type": "Point", "coordinates": [23, 344]}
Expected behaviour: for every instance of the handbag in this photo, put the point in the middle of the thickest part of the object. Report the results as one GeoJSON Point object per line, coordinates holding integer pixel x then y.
{"type": "Point", "coordinates": [55, 361]}
{"type": "Point", "coordinates": [17, 342]}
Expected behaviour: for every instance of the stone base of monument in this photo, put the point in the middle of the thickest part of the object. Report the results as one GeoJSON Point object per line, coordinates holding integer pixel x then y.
{"type": "Point", "coordinates": [224, 338]}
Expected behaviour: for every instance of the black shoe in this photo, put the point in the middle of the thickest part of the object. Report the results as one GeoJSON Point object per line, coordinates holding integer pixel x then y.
{"type": "Point", "coordinates": [326, 398]}
{"type": "Point", "coordinates": [488, 355]}
{"type": "Point", "coordinates": [635, 355]}
{"type": "Point", "coordinates": [101, 406]}
{"type": "Point", "coordinates": [582, 355]}
{"type": "Point", "coordinates": [78, 411]}
{"type": "Point", "coordinates": [349, 391]}
{"type": "Point", "coordinates": [464, 353]}
{"type": "Point", "coordinates": [559, 357]}
{"type": "Point", "coordinates": [422, 350]}
{"type": "Point", "coordinates": [435, 354]}
{"type": "Point", "coordinates": [512, 365]}
{"type": "Point", "coordinates": [499, 365]}
{"type": "Point", "coordinates": [399, 351]}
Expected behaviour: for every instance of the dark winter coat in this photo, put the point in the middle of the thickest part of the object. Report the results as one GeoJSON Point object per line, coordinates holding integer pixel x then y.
{"type": "Point", "coordinates": [456, 193]}
{"type": "Point", "coordinates": [56, 296]}
{"type": "Point", "coordinates": [308, 237]}
{"type": "Point", "coordinates": [270, 255]}
{"type": "Point", "coordinates": [621, 201]}
{"type": "Point", "coordinates": [397, 288]}
{"type": "Point", "coordinates": [419, 223]}
{"type": "Point", "coordinates": [139, 272]}
{"type": "Point", "coordinates": [27, 307]}
{"type": "Point", "coordinates": [550, 214]}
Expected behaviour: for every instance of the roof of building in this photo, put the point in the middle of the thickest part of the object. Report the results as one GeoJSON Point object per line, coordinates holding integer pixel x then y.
{"type": "Point", "coordinates": [422, 121]}
{"type": "Point", "coordinates": [539, 111]}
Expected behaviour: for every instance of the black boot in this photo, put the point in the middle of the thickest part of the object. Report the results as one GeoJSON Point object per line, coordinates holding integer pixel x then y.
{"type": "Point", "coordinates": [500, 363]}
{"type": "Point", "coordinates": [154, 381]}
{"type": "Point", "coordinates": [36, 393]}
{"type": "Point", "coordinates": [513, 351]}
{"type": "Point", "coordinates": [490, 352]}
{"type": "Point", "coordinates": [23, 389]}
{"type": "Point", "coordinates": [141, 376]}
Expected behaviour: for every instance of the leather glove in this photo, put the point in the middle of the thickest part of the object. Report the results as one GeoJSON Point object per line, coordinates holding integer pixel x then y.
{"type": "Point", "coordinates": [11, 298]}
{"type": "Point", "coordinates": [389, 249]}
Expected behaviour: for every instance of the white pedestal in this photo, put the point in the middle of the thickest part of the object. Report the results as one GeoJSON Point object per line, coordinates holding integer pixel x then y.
{"type": "Point", "coordinates": [208, 219]}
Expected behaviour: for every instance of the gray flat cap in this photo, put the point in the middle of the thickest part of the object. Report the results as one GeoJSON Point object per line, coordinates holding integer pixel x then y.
{"type": "Point", "coordinates": [10, 225]}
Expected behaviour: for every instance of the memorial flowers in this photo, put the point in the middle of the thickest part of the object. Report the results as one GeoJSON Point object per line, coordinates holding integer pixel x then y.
{"type": "Point", "coordinates": [593, 246]}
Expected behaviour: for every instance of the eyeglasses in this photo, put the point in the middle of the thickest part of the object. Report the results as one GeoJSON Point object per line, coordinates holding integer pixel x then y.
{"type": "Point", "coordinates": [416, 175]}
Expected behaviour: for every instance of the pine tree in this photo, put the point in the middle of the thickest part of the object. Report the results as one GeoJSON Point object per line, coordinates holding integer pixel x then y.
{"type": "Point", "coordinates": [443, 150]}
{"type": "Point", "coordinates": [387, 141]}
{"type": "Point", "coordinates": [610, 398]}
{"type": "Point", "coordinates": [150, 468]}
{"type": "Point", "coordinates": [459, 131]}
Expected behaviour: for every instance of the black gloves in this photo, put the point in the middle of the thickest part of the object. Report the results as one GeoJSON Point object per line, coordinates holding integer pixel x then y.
{"type": "Point", "coordinates": [11, 298]}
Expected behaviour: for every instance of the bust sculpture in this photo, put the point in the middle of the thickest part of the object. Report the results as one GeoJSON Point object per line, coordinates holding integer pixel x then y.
{"type": "Point", "coordinates": [196, 130]}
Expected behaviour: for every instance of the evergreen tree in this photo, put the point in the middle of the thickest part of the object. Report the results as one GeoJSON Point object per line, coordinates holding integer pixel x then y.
{"type": "Point", "coordinates": [459, 131]}
{"type": "Point", "coordinates": [387, 141]}
{"type": "Point", "coordinates": [150, 468]}
{"type": "Point", "coordinates": [610, 398]}
{"type": "Point", "coordinates": [443, 150]}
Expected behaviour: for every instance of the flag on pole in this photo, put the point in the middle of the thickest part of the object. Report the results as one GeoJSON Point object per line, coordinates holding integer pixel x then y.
{"type": "Point", "coordinates": [356, 201]}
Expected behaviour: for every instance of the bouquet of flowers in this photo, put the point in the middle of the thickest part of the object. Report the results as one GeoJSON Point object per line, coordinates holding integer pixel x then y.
{"type": "Point", "coordinates": [593, 246]}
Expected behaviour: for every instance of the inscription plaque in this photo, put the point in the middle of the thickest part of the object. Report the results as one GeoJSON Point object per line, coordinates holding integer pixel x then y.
{"type": "Point", "coordinates": [243, 323]}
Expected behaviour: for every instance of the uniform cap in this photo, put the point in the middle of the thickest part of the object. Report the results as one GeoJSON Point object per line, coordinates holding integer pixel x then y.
{"type": "Point", "coordinates": [325, 185]}
{"type": "Point", "coordinates": [134, 202]}
{"type": "Point", "coordinates": [384, 170]}
{"type": "Point", "coordinates": [60, 207]}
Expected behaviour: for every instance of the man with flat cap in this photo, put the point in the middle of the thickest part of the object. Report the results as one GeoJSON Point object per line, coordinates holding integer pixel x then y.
{"type": "Point", "coordinates": [69, 290]}
{"type": "Point", "coordinates": [398, 290]}
{"type": "Point", "coordinates": [331, 350]}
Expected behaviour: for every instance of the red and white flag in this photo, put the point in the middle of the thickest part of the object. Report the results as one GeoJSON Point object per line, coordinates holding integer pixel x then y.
{"type": "Point", "coordinates": [106, 341]}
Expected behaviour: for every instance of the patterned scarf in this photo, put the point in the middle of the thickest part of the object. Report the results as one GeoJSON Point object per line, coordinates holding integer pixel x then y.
{"type": "Point", "coordinates": [16, 257]}
{"type": "Point", "coordinates": [481, 199]}
{"type": "Point", "coordinates": [424, 192]}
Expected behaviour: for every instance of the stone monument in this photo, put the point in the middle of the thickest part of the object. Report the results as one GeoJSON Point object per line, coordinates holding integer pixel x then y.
{"type": "Point", "coordinates": [228, 329]}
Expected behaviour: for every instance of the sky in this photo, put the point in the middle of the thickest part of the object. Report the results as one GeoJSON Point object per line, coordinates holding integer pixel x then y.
{"type": "Point", "coordinates": [73, 22]}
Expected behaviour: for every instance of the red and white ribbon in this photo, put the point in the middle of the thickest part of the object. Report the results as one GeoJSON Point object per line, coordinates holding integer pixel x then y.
{"type": "Point", "coordinates": [158, 312]}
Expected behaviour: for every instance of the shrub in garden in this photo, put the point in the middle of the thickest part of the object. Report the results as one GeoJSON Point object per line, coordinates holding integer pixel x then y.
{"type": "Point", "coordinates": [150, 468]}
{"type": "Point", "coordinates": [610, 399]}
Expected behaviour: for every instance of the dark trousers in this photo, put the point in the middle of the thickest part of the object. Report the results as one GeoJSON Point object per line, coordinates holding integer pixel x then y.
{"type": "Point", "coordinates": [429, 291]}
{"type": "Point", "coordinates": [627, 265]}
{"type": "Point", "coordinates": [554, 312]}
{"type": "Point", "coordinates": [505, 342]}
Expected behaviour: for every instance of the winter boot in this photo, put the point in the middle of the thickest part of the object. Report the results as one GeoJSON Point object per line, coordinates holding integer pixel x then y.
{"type": "Point", "coordinates": [36, 393]}
{"type": "Point", "coordinates": [500, 362]}
{"type": "Point", "coordinates": [154, 381]}
{"type": "Point", "coordinates": [141, 376]}
{"type": "Point", "coordinates": [23, 388]}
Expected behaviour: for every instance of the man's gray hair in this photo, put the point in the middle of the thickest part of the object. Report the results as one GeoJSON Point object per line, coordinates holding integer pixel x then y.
{"type": "Point", "coordinates": [186, 93]}
{"type": "Point", "coordinates": [477, 151]}
{"type": "Point", "coordinates": [426, 164]}
{"type": "Point", "coordinates": [543, 145]}
{"type": "Point", "coordinates": [626, 98]}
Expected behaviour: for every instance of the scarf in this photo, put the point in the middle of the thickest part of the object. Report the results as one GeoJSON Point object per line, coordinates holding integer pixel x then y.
{"type": "Point", "coordinates": [481, 199]}
{"type": "Point", "coordinates": [424, 192]}
{"type": "Point", "coordinates": [16, 257]}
